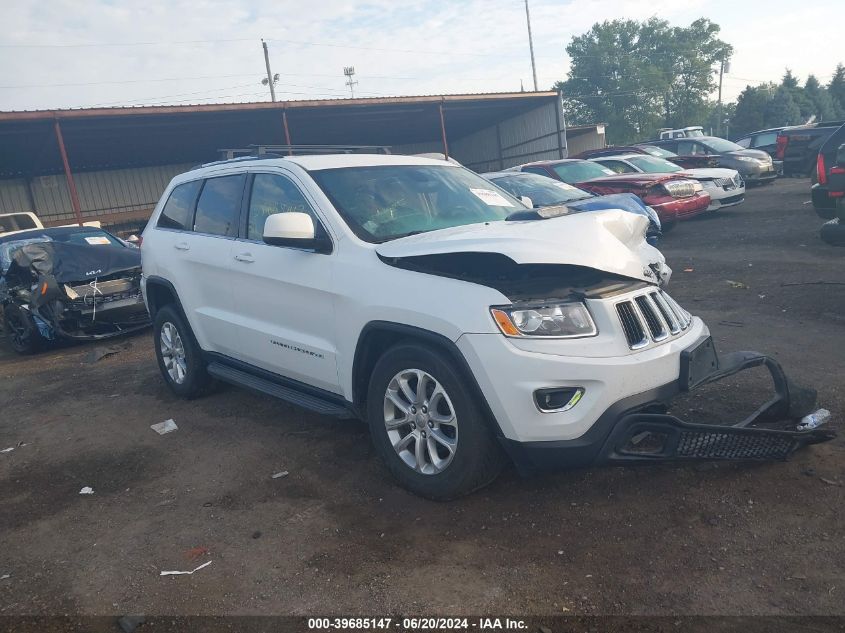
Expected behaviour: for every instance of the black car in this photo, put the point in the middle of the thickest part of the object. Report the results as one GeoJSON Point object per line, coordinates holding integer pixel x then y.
{"type": "Point", "coordinates": [764, 140]}
{"type": "Point", "coordinates": [799, 145]}
{"type": "Point", "coordinates": [69, 283]}
{"type": "Point", "coordinates": [828, 192]}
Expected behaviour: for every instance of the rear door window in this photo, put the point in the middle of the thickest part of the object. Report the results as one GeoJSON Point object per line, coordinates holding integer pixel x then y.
{"type": "Point", "coordinates": [219, 205]}
{"type": "Point", "coordinates": [179, 208]}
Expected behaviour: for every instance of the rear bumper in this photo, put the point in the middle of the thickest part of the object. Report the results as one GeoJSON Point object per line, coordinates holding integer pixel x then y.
{"type": "Point", "coordinates": [825, 204]}
{"type": "Point", "coordinates": [638, 429]}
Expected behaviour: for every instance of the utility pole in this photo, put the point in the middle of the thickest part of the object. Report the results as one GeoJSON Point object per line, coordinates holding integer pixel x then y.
{"type": "Point", "coordinates": [531, 45]}
{"type": "Point", "coordinates": [269, 74]}
{"type": "Point", "coordinates": [724, 67]}
{"type": "Point", "coordinates": [349, 71]}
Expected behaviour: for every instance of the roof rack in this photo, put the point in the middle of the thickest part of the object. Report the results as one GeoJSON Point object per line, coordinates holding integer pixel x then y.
{"type": "Point", "coordinates": [278, 151]}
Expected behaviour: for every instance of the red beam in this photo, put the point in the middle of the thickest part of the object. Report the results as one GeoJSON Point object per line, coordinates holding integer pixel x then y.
{"type": "Point", "coordinates": [74, 197]}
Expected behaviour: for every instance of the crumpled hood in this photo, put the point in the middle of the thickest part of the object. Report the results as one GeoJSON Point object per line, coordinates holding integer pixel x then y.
{"type": "Point", "coordinates": [708, 173]}
{"type": "Point", "coordinates": [611, 241]}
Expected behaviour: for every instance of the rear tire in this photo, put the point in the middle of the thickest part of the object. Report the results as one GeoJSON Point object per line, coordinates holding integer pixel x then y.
{"type": "Point", "coordinates": [179, 357]}
{"type": "Point", "coordinates": [21, 331]}
{"type": "Point", "coordinates": [428, 427]}
{"type": "Point", "coordinates": [833, 232]}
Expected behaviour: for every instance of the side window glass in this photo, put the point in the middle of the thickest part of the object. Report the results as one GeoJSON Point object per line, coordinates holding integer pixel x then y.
{"type": "Point", "coordinates": [219, 206]}
{"type": "Point", "coordinates": [536, 170]}
{"type": "Point", "coordinates": [744, 142]}
{"type": "Point", "coordinates": [272, 193]}
{"type": "Point", "coordinates": [690, 148]}
{"type": "Point", "coordinates": [617, 166]}
{"type": "Point", "coordinates": [179, 208]}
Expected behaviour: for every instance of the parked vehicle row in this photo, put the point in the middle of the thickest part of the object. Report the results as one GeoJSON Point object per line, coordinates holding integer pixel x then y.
{"type": "Point", "coordinates": [798, 146]}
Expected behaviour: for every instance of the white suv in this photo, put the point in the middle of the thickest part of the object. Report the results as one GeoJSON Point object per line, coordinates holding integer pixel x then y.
{"type": "Point", "coordinates": [410, 292]}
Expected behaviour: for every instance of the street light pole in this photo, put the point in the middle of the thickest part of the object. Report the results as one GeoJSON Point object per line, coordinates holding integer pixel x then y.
{"type": "Point", "coordinates": [531, 45]}
{"type": "Point", "coordinates": [269, 74]}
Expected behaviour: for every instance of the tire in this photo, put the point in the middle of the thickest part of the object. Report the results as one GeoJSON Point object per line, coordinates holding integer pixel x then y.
{"type": "Point", "coordinates": [476, 458]}
{"type": "Point", "coordinates": [179, 357]}
{"type": "Point", "coordinates": [21, 333]}
{"type": "Point", "coordinates": [833, 233]}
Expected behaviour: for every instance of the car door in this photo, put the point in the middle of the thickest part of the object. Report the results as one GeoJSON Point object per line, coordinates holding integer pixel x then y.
{"type": "Point", "coordinates": [283, 294]}
{"type": "Point", "coordinates": [207, 276]}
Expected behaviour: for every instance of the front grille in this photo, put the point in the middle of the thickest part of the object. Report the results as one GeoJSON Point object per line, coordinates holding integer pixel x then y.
{"type": "Point", "coordinates": [631, 325]}
{"type": "Point", "coordinates": [651, 317]}
{"type": "Point", "coordinates": [726, 445]}
{"type": "Point", "coordinates": [725, 183]}
{"type": "Point", "coordinates": [680, 189]}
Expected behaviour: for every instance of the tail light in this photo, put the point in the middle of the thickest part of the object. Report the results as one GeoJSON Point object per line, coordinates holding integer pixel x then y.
{"type": "Point", "coordinates": [821, 172]}
{"type": "Point", "coordinates": [782, 142]}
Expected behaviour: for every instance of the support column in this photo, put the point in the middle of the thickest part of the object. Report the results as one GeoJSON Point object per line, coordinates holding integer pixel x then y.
{"type": "Point", "coordinates": [74, 197]}
{"type": "Point", "coordinates": [443, 132]}
{"type": "Point", "coordinates": [558, 109]}
{"type": "Point", "coordinates": [499, 146]}
{"type": "Point", "coordinates": [287, 130]}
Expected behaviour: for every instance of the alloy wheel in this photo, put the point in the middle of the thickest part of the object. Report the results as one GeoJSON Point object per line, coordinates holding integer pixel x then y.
{"type": "Point", "coordinates": [420, 421]}
{"type": "Point", "coordinates": [173, 353]}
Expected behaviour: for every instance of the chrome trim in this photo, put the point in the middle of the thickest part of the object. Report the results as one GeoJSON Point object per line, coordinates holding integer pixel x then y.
{"type": "Point", "coordinates": [577, 396]}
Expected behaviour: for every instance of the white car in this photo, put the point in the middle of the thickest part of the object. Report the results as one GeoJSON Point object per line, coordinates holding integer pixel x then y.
{"type": "Point", "coordinates": [725, 186]}
{"type": "Point", "coordinates": [395, 289]}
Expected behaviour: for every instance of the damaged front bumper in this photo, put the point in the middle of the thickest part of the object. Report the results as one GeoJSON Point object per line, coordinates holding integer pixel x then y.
{"type": "Point", "coordinates": [639, 429]}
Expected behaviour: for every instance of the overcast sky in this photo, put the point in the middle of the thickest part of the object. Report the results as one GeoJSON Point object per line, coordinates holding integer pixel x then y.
{"type": "Point", "coordinates": [76, 53]}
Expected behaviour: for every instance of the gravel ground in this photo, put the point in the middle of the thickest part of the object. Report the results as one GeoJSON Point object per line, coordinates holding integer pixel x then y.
{"type": "Point", "coordinates": [337, 536]}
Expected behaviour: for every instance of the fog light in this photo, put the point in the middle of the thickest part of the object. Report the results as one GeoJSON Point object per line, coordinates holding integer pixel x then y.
{"type": "Point", "coordinates": [557, 399]}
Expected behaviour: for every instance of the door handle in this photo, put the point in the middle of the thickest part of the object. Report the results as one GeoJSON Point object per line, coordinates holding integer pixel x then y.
{"type": "Point", "coordinates": [182, 246]}
{"type": "Point", "coordinates": [245, 257]}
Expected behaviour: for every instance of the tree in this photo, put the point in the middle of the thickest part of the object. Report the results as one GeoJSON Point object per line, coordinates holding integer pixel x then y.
{"type": "Point", "coordinates": [824, 109]}
{"type": "Point", "coordinates": [750, 113]}
{"type": "Point", "coordinates": [782, 109]}
{"type": "Point", "coordinates": [836, 89]}
{"type": "Point", "coordinates": [636, 76]}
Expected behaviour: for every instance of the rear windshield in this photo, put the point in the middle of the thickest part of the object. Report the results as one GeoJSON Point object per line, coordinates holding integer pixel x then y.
{"type": "Point", "coordinates": [653, 165]}
{"type": "Point", "coordinates": [579, 171]}
{"type": "Point", "coordinates": [543, 191]}
{"type": "Point", "coordinates": [385, 202]}
{"type": "Point", "coordinates": [658, 151]}
{"type": "Point", "coordinates": [16, 222]}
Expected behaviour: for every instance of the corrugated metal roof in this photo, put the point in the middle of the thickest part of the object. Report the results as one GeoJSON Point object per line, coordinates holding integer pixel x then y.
{"type": "Point", "coordinates": [60, 113]}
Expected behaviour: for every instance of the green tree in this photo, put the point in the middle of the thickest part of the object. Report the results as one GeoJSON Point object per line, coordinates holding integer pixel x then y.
{"type": "Point", "coordinates": [636, 76]}
{"type": "Point", "coordinates": [750, 113]}
{"type": "Point", "coordinates": [824, 109]}
{"type": "Point", "coordinates": [836, 89]}
{"type": "Point", "coordinates": [782, 109]}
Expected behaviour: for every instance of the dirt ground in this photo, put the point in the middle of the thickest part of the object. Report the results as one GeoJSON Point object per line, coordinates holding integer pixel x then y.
{"type": "Point", "coordinates": [336, 536]}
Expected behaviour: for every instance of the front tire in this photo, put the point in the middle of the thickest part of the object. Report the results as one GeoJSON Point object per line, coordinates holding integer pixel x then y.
{"type": "Point", "coordinates": [428, 427]}
{"type": "Point", "coordinates": [179, 357]}
{"type": "Point", "coordinates": [21, 332]}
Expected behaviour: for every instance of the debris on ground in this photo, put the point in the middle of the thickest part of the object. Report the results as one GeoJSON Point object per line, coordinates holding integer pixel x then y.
{"type": "Point", "coordinates": [128, 623]}
{"type": "Point", "coordinates": [8, 450]}
{"type": "Point", "coordinates": [195, 552]}
{"type": "Point", "coordinates": [5, 576]}
{"type": "Point", "coordinates": [689, 270]}
{"type": "Point", "coordinates": [256, 534]}
{"type": "Point", "coordinates": [732, 323]}
{"type": "Point", "coordinates": [735, 284]}
{"type": "Point", "coordinates": [830, 482]}
{"type": "Point", "coordinates": [164, 427]}
{"type": "Point", "coordinates": [99, 353]}
{"type": "Point", "coordinates": [185, 573]}
{"type": "Point", "coordinates": [87, 490]}
{"type": "Point", "coordinates": [280, 474]}
{"type": "Point", "coordinates": [813, 420]}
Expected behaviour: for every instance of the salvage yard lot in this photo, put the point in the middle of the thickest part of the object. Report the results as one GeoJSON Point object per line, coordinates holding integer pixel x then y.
{"type": "Point", "coordinates": [336, 535]}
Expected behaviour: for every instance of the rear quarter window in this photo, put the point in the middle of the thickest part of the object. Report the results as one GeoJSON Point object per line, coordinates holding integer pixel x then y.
{"type": "Point", "coordinates": [178, 211]}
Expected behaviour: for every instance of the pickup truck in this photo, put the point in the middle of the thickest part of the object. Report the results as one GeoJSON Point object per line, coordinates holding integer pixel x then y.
{"type": "Point", "coordinates": [799, 146]}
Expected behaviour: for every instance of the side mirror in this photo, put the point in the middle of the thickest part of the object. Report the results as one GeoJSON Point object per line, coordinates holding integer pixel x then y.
{"type": "Point", "coordinates": [296, 230]}
{"type": "Point", "coordinates": [528, 202]}
{"type": "Point", "coordinates": [840, 155]}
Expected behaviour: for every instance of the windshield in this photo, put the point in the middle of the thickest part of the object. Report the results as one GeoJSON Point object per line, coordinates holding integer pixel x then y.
{"type": "Point", "coordinates": [653, 165]}
{"type": "Point", "coordinates": [543, 191]}
{"type": "Point", "coordinates": [694, 132]}
{"type": "Point", "coordinates": [721, 145]}
{"type": "Point", "coordinates": [581, 170]}
{"type": "Point", "coordinates": [657, 151]}
{"type": "Point", "coordinates": [386, 202]}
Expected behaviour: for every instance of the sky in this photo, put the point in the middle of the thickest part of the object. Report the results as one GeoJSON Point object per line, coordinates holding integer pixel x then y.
{"type": "Point", "coordinates": [72, 53]}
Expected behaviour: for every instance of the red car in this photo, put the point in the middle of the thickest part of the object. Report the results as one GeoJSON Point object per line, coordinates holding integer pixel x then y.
{"type": "Point", "coordinates": [673, 196]}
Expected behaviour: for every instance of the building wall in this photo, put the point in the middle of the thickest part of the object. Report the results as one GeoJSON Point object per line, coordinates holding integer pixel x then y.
{"type": "Point", "coordinates": [582, 141]}
{"type": "Point", "coordinates": [100, 193]}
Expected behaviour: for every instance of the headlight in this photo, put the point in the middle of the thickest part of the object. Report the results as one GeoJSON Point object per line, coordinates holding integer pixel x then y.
{"type": "Point", "coordinates": [747, 159]}
{"type": "Point", "coordinates": [561, 320]}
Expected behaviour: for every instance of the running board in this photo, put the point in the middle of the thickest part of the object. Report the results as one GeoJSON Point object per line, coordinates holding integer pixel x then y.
{"type": "Point", "coordinates": [282, 392]}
